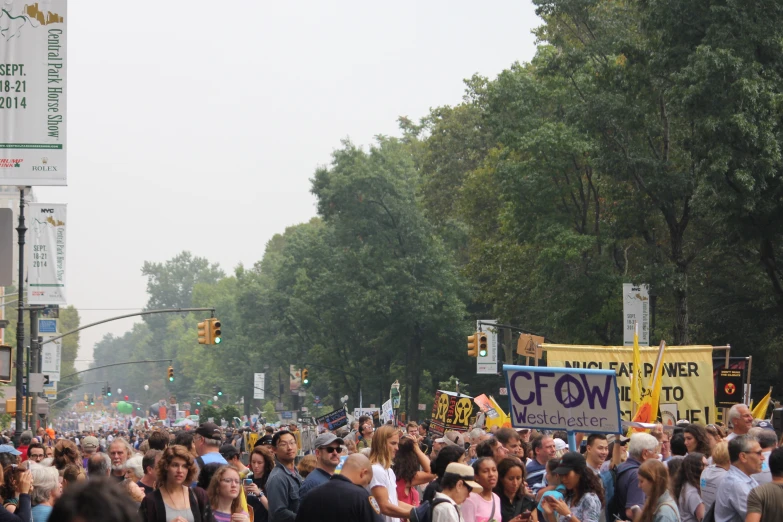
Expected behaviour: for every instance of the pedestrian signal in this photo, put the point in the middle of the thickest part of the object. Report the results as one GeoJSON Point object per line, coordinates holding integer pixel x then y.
{"type": "Point", "coordinates": [482, 344]}
{"type": "Point", "coordinates": [472, 348]}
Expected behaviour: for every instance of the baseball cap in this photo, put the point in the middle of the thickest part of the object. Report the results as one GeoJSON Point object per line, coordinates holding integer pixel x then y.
{"type": "Point", "coordinates": [90, 443]}
{"type": "Point", "coordinates": [266, 440]}
{"type": "Point", "coordinates": [209, 430]}
{"type": "Point", "coordinates": [228, 451]}
{"type": "Point", "coordinates": [464, 472]}
{"type": "Point", "coordinates": [455, 438]}
{"type": "Point", "coordinates": [766, 425]}
{"type": "Point", "coordinates": [324, 439]}
{"type": "Point", "coordinates": [560, 447]}
{"type": "Point", "coordinates": [571, 460]}
{"type": "Point", "coordinates": [7, 448]}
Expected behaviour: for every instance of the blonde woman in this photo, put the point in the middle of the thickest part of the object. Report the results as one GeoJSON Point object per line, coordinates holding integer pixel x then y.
{"type": "Point", "coordinates": [383, 486]}
{"type": "Point", "coordinates": [224, 496]}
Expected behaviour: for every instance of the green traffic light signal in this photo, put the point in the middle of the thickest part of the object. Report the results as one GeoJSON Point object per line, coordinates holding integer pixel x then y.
{"type": "Point", "coordinates": [209, 403]}
{"type": "Point", "coordinates": [171, 379]}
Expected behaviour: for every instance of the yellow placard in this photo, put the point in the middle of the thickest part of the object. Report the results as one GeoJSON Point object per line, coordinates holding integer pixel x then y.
{"type": "Point", "coordinates": [687, 374]}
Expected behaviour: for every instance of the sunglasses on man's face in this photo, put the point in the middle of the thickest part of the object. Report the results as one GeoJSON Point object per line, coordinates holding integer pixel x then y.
{"type": "Point", "coordinates": [332, 449]}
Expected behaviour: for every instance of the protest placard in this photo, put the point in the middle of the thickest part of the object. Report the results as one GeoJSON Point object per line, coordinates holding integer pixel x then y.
{"type": "Point", "coordinates": [332, 421]}
{"type": "Point", "coordinates": [450, 411]}
{"type": "Point", "coordinates": [563, 399]}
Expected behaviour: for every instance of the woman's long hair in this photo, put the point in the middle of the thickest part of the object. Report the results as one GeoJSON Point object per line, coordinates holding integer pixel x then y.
{"type": "Point", "coordinates": [379, 453]}
{"type": "Point", "coordinates": [213, 491]}
{"type": "Point", "coordinates": [504, 467]}
{"type": "Point", "coordinates": [689, 473]}
{"type": "Point", "coordinates": [269, 465]}
{"type": "Point", "coordinates": [700, 434]}
{"type": "Point", "coordinates": [654, 472]}
{"type": "Point", "coordinates": [406, 463]}
{"type": "Point", "coordinates": [589, 482]}
{"type": "Point", "coordinates": [168, 456]}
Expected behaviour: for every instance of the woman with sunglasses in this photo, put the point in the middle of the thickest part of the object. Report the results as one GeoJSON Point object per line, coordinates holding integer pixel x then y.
{"type": "Point", "coordinates": [584, 492]}
{"type": "Point", "coordinates": [687, 489]}
{"type": "Point", "coordinates": [223, 492]}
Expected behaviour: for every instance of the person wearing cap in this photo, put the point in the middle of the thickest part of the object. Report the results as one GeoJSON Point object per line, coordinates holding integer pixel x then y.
{"type": "Point", "coordinates": [327, 453]}
{"type": "Point", "coordinates": [8, 455]}
{"type": "Point", "coordinates": [584, 492]}
{"type": "Point", "coordinates": [207, 440]}
{"type": "Point", "coordinates": [89, 446]}
{"type": "Point", "coordinates": [457, 483]}
{"type": "Point", "coordinates": [231, 454]}
{"type": "Point", "coordinates": [343, 497]}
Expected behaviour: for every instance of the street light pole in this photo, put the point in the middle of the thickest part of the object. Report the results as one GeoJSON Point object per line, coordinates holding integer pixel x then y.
{"type": "Point", "coordinates": [21, 229]}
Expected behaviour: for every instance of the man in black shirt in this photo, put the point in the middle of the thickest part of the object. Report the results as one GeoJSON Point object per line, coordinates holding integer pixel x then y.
{"type": "Point", "coordinates": [344, 497]}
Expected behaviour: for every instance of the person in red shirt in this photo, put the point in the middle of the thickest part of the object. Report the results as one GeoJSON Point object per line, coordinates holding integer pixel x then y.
{"type": "Point", "coordinates": [24, 442]}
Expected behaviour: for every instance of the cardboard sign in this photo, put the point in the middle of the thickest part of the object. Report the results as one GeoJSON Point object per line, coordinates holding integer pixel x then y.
{"type": "Point", "coordinates": [563, 399]}
{"type": "Point", "coordinates": [730, 388]}
{"type": "Point", "coordinates": [527, 345]}
{"type": "Point", "coordinates": [332, 421]}
{"type": "Point", "coordinates": [450, 412]}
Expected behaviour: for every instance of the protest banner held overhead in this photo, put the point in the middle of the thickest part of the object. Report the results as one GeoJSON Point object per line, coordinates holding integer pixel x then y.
{"type": "Point", "coordinates": [563, 399]}
{"type": "Point", "coordinates": [332, 420]}
{"type": "Point", "coordinates": [450, 411]}
{"type": "Point", "coordinates": [687, 374]}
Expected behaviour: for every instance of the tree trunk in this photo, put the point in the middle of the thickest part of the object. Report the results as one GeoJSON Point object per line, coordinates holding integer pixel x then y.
{"type": "Point", "coordinates": [508, 346]}
{"type": "Point", "coordinates": [414, 372]}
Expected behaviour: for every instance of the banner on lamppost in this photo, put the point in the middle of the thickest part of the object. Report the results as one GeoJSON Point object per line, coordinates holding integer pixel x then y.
{"type": "Point", "coordinates": [33, 92]}
{"type": "Point", "coordinates": [46, 269]}
{"type": "Point", "coordinates": [636, 309]}
{"type": "Point", "coordinates": [258, 385]}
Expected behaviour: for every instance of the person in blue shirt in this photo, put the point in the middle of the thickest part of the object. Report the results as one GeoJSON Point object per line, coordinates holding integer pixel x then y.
{"type": "Point", "coordinates": [327, 452]}
{"type": "Point", "coordinates": [46, 490]}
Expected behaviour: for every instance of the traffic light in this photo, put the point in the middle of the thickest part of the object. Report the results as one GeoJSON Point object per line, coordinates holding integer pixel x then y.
{"type": "Point", "coordinates": [482, 344]}
{"type": "Point", "coordinates": [198, 402]}
{"type": "Point", "coordinates": [171, 374]}
{"type": "Point", "coordinates": [92, 400]}
{"type": "Point", "coordinates": [103, 390]}
{"type": "Point", "coordinates": [108, 389]}
{"type": "Point", "coordinates": [209, 402]}
{"type": "Point", "coordinates": [203, 332]}
{"type": "Point", "coordinates": [306, 377]}
{"type": "Point", "coordinates": [209, 331]}
{"type": "Point", "coordinates": [472, 348]}
{"type": "Point", "coordinates": [215, 333]}
{"type": "Point", "coordinates": [218, 391]}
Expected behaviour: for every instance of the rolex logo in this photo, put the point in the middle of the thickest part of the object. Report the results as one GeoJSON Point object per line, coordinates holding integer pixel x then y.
{"type": "Point", "coordinates": [44, 160]}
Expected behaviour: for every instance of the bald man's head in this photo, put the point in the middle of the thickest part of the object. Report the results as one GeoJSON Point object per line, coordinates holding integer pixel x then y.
{"type": "Point", "coordinates": [357, 469]}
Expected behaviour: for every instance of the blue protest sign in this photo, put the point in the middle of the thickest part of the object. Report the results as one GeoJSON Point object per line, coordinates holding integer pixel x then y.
{"type": "Point", "coordinates": [569, 399]}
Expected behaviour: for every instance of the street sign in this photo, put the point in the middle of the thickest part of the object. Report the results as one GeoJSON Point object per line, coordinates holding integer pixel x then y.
{"type": "Point", "coordinates": [50, 389]}
{"type": "Point", "coordinates": [36, 383]}
{"type": "Point", "coordinates": [422, 407]}
{"type": "Point", "coordinates": [47, 326]}
{"type": "Point", "coordinates": [503, 391]}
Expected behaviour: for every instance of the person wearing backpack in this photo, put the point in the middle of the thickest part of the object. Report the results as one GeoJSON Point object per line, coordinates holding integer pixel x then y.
{"type": "Point", "coordinates": [627, 493]}
{"type": "Point", "coordinates": [659, 506]}
{"type": "Point", "coordinates": [457, 483]}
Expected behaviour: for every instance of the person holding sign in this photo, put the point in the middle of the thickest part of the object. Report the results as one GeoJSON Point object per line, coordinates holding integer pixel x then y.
{"type": "Point", "coordinates": [584, 492]}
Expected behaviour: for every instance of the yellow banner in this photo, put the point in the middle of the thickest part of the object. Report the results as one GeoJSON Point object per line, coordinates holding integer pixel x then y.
{"type": "Point", "coordinates": [687, 374]}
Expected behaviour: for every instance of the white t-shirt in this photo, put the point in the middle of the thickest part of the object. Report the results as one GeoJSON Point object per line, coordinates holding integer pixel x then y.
{"type": "Point", "coordinates": [385, 478]}
{"type": "Point", "coordinates": [711, 478]}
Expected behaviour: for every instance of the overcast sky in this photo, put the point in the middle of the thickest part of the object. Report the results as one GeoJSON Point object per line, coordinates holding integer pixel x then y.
{"type": "Point", "coordinates": [197, 125]}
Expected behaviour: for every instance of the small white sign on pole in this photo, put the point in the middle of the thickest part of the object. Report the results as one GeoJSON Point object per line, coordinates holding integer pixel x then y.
{"type": "Point", "coordinates": [51, 353]}
{"type": "Point", "coordinates": [569, 399]}
{"type": "Point", "coordinates": [387, 410]}
{"type": "Point", "coordinates": [636, 309]}
{"type": "Point", "coordinates": [489, 363]}
{"type": "Point", "coordinates": [258, 385]}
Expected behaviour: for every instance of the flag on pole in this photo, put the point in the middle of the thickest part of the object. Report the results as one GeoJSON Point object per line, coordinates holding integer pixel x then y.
{"type": "Point", "coordinates": [760, 410]}
{"type": "Point", "coordinates": [648, 410]}
{"type": "Point", "coordinates": [638, 375]}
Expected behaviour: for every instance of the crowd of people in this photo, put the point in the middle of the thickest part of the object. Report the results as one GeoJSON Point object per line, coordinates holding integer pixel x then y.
{"type": "Point", "coordinates": [366, 472]}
